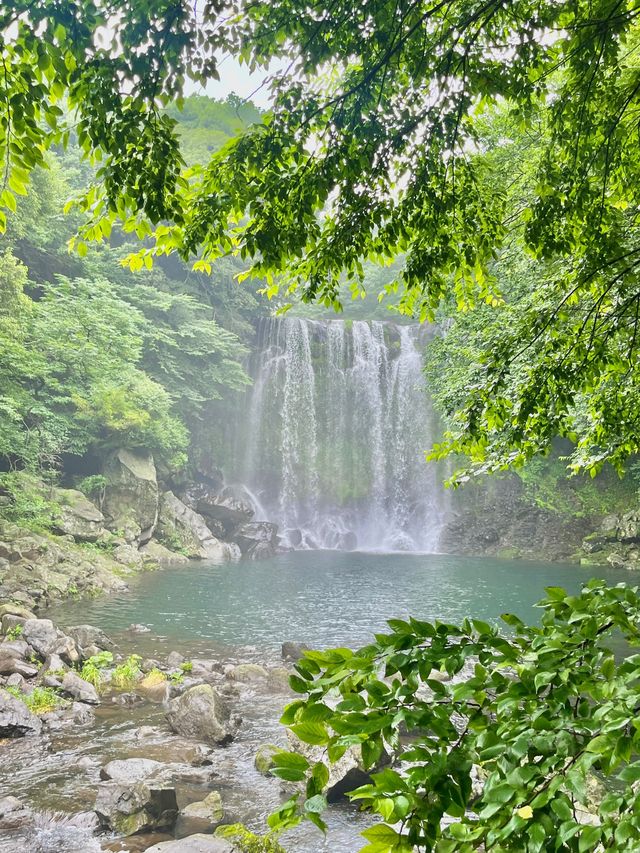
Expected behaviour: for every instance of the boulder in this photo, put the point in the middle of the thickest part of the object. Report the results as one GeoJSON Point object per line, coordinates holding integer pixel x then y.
{"type": "Point", "coordinates": [231, 507]}
{"type": "Point", "coordinates": [157, 553]}
{"type": "Point", "coordinates": [199, 843]}
{"type": "Point", "coordinates": [202, 713]}
{"type": "Point", "coordinates": [10, 665]}
{"type": "Point", "coordinates": [12, 623]}
{"type": "Point", "coordinates": [14, 648]}
{"type": "Point", "coordinates": [203, 816]}
{"type": "Point", "coordinates": [130, 503]}
{"type": "Point", "coordinates": [257, 539]}
{"type": "Point", "coordinates": [174, 660]}
{"type": "Point", "coordinates": [345, 775]}
{"type": "Point", "coordinates": [130, 807]}
{"type": "Point", "coordinates": [263, 761]}
{"type": "Point", "coordinates": [130, 769]}
{"type": "Point", "coordinates": [66, 649]}
{"type": "Point", "coordinates": [77, 516]}
{"type": "Point", "coordinates": [16, 610]}
{"type": "Point", "coordinates": [154, 686]}
{"type": "Point", "coordinates": [80, 689]}
{"type": "Point", "coordinates": [293, 651]}
{"type": "Point", "coordinates": [14, 814]}
{"type": "Point", "coordinates": [179, 526]}
{"type": "Point", "coordinates": [87, 635]}
{"type": "Point", "coordinates": [40, 634]}
{"type": "Point", "coordinates": [16, 720]}
{"type": "Point", "coordinates": [248, 673]}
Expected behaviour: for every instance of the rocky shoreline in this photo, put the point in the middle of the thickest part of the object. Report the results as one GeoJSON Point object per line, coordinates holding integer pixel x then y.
{"type": "Point", "coordinates": [135, 523]}
{"type": "Point", "coordinates": [160, 790]}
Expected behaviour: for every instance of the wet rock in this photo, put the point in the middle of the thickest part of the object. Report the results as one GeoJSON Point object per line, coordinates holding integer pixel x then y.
{"type": "Point", "coordinates": [199, 843]}
{"type": "Point", "coordinates": [248, 673]}
{"type": "Point", "coordinates": [154, 686]}
{"type": "Point", "coordinates": [157, 553]}
{"type": "Point", "coordinates": [128, 808]}
{"type": "Point", "coordinates": [14, 814]}
{"type": "Point", "coordinates": [66, 649]}
{"type": "Point", "coordinates": [130, 501]}
{"type": "Point", "coordinates": [12, 623]}
{"type": "Point", "coordinates": [203, 816]}
{"type": "Point", "coordinates": [263, 762]}
{"type": "Point", "coordinates": [130, 769]}
{"type": "Point", "coordinates": [181, 526]}
{"type": "Point", "coordinates": [77, 516]}
{"type": "Point", "coordinates": [293, 651]}
{"type": "Point", "coordinates": [86, 636]}
{"type": "Point", "coordinates": [40, 634]}
{"type": "Point", "coordinates": [128, 555]}
{"type": "Point", "coordinates": [62, 833]}
{"type": "Point", "coordinates": [14, 648]}
{"type": "Point", "coordinates": [201, 713]}
{"type": "Point", "coordinates": [136, 628]}
{"type": "Point", "coordinates": [148, 664]}
{"type": "Point", "coordinates": [12, 609]}
{"type": "Point", "coordinates": [230, 507]}
{"type": "Point", "coordinates": [258, 539]}
{"type": "Point", "coordinates": [345, 775]}
{"type": "Point", "coordinates": [80, 689]}
{"type": "Point", "coordinates": [16, 720]}
{"type": "Point", "coordinates": [174, 659]}
{"type": "Point", "coordinates": [10, 665]}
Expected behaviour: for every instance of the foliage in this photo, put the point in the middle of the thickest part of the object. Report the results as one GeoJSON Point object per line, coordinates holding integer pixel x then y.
{"type": "Point", "coordinates": [40, 700]}
{"type": "Point", "coordinates": [248, 842]}
{"type": "Point", "coordinates": [536, 717]}
{"type": "Point", "coordinates": [126, 674]}
{"type": "Point", "coordinates": [14, 633]}
{"type": "Point", "coordinates": [30, 501]}
{"type": "Point", "coordinates": [92, 668]}
{"type": "Point", "coordinates": [93, 486]}
{"type": "Point", "coordinates": [382, 142]}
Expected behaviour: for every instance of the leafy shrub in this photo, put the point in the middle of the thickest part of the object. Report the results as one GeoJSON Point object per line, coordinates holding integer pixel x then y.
{"type": "Point", "coordinates": [92, 669]}
{"type": "Point", "coordinates": [249, 842]}
{"type": "Point", "coordinates": [93, 486]}
{"type": "Point", "coordinates": [29, 502]}
{"type": "Point", "coordinates": [127, 673]}
{"type": "Point", "coordinates": [41, 700]}
{"type": "Point", "coordinates": [509, 748]}
{"type": "Point", "coordinates": [14, 633]}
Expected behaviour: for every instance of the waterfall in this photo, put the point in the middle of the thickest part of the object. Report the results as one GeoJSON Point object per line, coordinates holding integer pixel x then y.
{"type": "Point", "coordinates": [333, 434]}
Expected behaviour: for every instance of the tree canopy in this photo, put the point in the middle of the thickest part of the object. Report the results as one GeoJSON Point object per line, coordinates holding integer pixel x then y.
{"type": "Point", "coordinates": [384, 139]}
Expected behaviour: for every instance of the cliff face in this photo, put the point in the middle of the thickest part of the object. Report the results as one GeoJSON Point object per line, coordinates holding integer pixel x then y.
{"type": "Point", "coordinates": [498, 518]}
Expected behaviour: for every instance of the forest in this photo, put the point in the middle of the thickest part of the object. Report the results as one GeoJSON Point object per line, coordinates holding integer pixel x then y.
{"type": "Point", "coordinates": [319, 479]}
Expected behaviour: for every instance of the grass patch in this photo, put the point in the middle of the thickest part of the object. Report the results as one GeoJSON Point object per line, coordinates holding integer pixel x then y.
{"type": "Point", "coordinates": [41, 700]}
{"type": "Point", "coordinates": [128, 673]}
{"type": "Point", "coordinates": [93, 669]}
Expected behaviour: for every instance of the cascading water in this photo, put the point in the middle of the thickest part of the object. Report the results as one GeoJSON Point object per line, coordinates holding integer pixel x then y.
{"type": "Point", "coordinates": [332, 441]}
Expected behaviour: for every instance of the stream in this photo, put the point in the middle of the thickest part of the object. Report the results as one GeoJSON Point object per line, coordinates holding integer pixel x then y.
{"type": "Point", "coordinates": [242, 613]}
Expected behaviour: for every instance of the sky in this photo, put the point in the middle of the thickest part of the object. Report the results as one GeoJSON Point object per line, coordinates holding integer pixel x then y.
{"type": "Point", "coordinates": [237, 79]}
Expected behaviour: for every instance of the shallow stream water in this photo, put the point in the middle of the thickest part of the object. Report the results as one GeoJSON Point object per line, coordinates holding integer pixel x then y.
{"type": "Point", "coordinates": [242, 613]}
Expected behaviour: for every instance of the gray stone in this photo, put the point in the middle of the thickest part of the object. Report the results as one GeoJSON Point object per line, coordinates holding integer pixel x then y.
{"type": "Point", "coordinates": [123, 808]}
{"type": "Point", "coordinates": [10, 665]}
{"type": "Point", "coordinates": [257, 539]}
{"type": "Point", "coordinates": [263, 761]}
{"type": "Point", "coordinates": [199, 843]}
{"type": "Point", "coordinates": [66, 649]}
{"type": "Point", "coordinates": [174, 659]}
{"type": "Point", "coordinates": [203, 816]}
{"type": "Point", "coordinates": [130, 769]}
{"type": "Point", "coordinates": [15, 680]}
{"type": "Point", "coordinates": [41, 634]}
{"type": "Point", "coordinates": [248, 673]}
{"type": "Point", "coordinates": [130, 501]}
{"type": "Point", "coordinates": [80, 689]}
{"type": "Point", "coordinates": [14, 648]}
{"type": "Point", "coordinates": [158, 553]}
{"type": "Point", "coordinates": [230, 506]}
{"type": "Point", "coordinates": [293, 651]}
{"type": "Point", "coordinates": [15, 610]}
{"type": "Point", "coordinates": [77, 516]}
{"type": "Point", "coordinates": [16, 720]}
{"type": "Point", "coordinates": [201, 713]}
{"type": "Point", "coordinates": [87, 635]}
{"type": "Point", "coordinates": [179, 526]}
{"type": "Point", "coordinates": [11, 622]}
